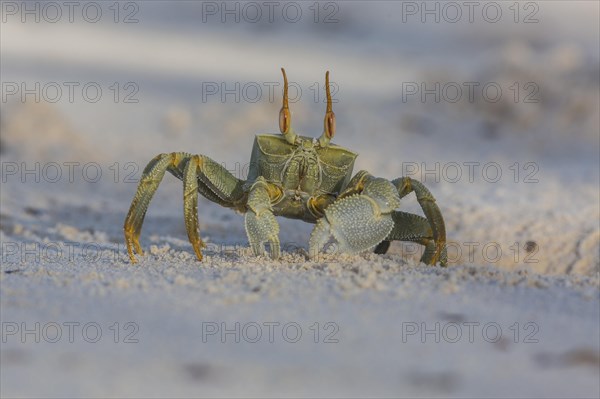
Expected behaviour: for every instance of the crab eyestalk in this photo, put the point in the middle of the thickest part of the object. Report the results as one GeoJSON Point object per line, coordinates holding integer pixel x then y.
{"type": "Point", "coordinates": [329, 122]}
{"type": "Point", "coordinates": [285, 116]}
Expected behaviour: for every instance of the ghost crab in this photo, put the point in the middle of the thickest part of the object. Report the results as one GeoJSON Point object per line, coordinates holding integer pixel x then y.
{"type": "Point", "coordinates": [302, 178]}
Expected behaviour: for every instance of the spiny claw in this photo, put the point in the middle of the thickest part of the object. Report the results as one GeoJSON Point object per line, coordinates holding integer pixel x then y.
{"type": "Point", "coordinates": [261, 229]}
{"type": "Point", "coordinates": [358, 222]}
{"type": "Point", "coordinates": [261, 225]}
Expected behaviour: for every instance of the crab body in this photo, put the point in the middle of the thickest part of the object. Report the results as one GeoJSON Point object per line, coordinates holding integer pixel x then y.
{"type": "Point", "coordinates": [301, 178]}
{"type": "Point", "coordinates": [302, 171]}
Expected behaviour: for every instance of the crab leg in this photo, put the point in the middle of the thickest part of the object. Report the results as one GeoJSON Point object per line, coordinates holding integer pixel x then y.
{"type": "Point", "coordinates": [415, 228]}
{"type": "Point", "coordinates": [319, 237]}
{"type": "Point", "coordinates": [261, 225]}
{"type": "Point", "coordinates": [199, 174]}
{"type": "Point", "coordinates": [213, 181]}
{"type": "Point", "coordinates": [190, 203]}
{"type": "Point", "coordinates": [151, 177]}
{"type": "Point", "coordinates": [408, 227]}
{"type": "Point", "coordinates": [202, 174]}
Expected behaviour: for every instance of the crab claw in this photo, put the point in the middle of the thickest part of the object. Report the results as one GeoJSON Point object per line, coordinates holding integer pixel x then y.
{"type": "Point", "coordinates": [357, 222]}
{"type": "Point", "coordinates": [261, 225]}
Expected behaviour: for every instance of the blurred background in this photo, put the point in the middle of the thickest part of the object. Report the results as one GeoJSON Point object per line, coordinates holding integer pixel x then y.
{"type": "Point", "coordinates": [493, 105]}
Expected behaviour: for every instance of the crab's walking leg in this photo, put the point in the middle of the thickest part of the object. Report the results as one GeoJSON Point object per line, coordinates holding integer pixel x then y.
{"type": "Point", "coordinates": [408, 227]}
{"type": "Point", "coordinates": [261, 225]}
{"type": "Point", "coordinates": [415, 228]}
{"type": "Point", "coordinates": [199, 174]}
{"type": "Point", "coordinates": [190, 203]}
{"type": "Point", "coordinates": [151, 178]}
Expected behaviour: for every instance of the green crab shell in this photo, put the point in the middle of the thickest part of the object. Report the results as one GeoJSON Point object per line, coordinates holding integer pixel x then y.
{"type": "Point", "coordinates": [270, 154]}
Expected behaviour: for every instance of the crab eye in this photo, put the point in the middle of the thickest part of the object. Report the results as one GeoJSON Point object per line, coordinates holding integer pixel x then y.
{"type": "Point", "coordinates": [284, 120]}
{"type": "Point", "coordinates": [330, 124]}
{"type": "Point", "coordinates": [329, 121]}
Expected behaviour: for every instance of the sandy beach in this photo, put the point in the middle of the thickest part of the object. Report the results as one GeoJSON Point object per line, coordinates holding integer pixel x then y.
{"type": "Point", "coordinates": [499, 120]}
